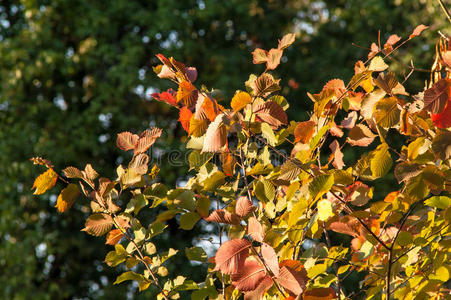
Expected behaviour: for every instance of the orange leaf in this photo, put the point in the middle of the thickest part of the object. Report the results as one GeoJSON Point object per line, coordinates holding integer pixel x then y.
{"type": "Point", "coordinates": [392, 40]}
{"type": "Point", "coordinates": [187, 93]}
{"type": "Point", "coordinates": [216, 136]}
{"type": "Point", "coordinates": [260, 56]}
{"type": "Point", "coordinates": [286, 41]}
{"type": "Point", "coordinates": [337, 155]}
{"type": "Point", "coordinates": [347, 225]}
{"type": "Point", "coordinates": [319, 294]}
{"type": "Point", "coordinates": [292, 281]}
{"type": "Point", "coordinates": [228, 163]}
{"type": "Point", "coordinates": [304, 131]}
{"type": "Point", "coordinates": [270, 257]}
{"type": "Point", "coordinates": [146, 139]}
{"type": "Point", "coordinates": [260, 290]}
{"type": "Point", "coordinates": [67, 197]}
{"type": "Point", "coordinates": [361, 136]}
{"type": "Point", "coordinates": [294, 265]}
{"type": "Point", "coordinates": [337, 85]}
{"type": "Point", "coordinates": [418, 30]}
{"type": "Point", "coordinates": [44, 182]}
{"type": "Point", "coordinates": [274, 57]}
{"type": "Point", "coordinates": [184, 117]}
{"type": "Point", "coordinates": [243, 206]}
{"type": "Point", "coordinates": [255, 229]}
{"type": "Point", "coordinates": [231, 256]}
{"type": "Point", "coordinates": [126, 140]}
{"type": "Point", "coordinates": [240, 100]}
{"type": "Point", "coordinates": [223, 216]}
{"type": "Point", "coordinates": [114, 236]}
{"type": "Point", "coordinates": [249, 276]}
{"type": "Point", "coordinates": [167, 97]}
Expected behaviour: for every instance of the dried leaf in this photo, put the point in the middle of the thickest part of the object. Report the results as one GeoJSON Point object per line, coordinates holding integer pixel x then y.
{"type": "Point", "coordinates": [140, 163]}
{"type": "Point", "coordinates": [243, 206]}
{"type": "Point", "coordinates": [337, 155]}
{"type": "Point", "coordinates": [216, 136]}
{"type": "Point", "coordinates": [89, 172]}
{"type": "Point", "coordinates": [437, 96]}
{"type": "Point", "coordinates": [146, 139]}
{"type": "Point", "coordinates": [113, 237]}
{"type": "Point", "coordinates": [223, 216]}
{"type": "Point", "coordinates": [72, 172]}
{"type": "Point", "coordinates": [418, 30]}
{"type": "Point", "coordinates": [44, 182]}
{"type": "Point", "coordinates": [249, 276]}
{"type": "Point", "coordinates": [271, 113]}
{"type": "Point", "coordinates": [265, 84]}
{"type": "Point", "coordinates": [361, 136]}
{"type": "Point", "coordinates": [304, 131]}
{"type": "Point", "coordinates": [260, 56]}
{"type": "Point", "coordinates": [98, 224]}
{"type": "Point", "coordinates": [337, 85]}
{"type": "Point", "coordinates": [350, 120]}
{"type": "Point", "coordinates": [67, 197]}
{"type": "Point", "coordinates": [286, 41]}
{"type": "Point", "coordinates": [274, 57]}
{"type": "Point", "coordinates": [126, 140]}
{"type": "Point", "coordinates": [231, 256]}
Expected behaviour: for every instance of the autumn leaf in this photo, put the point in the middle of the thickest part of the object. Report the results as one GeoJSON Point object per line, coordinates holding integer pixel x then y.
{"type": "Point", "coordinates": [337, 155]}
{"type": "Point", "coordinates": [437, 96]}
{"type": "Point", "coordinates": [260, 290]}
{"type": "Point", "coordinates": [168, 97]}
{"type": "Point", "coordinates": [243, 206]}
{"type": "Point", "coordinates": [67, 197]}
{"type": "Point", "coordinates": [292, 281]}
{"type": "Point", "coordinates": [320, 294]}
{"type": "Point", "coordinates": [249, 276]}
{"type": "Point", "coordinates": [286, 41]}
{"type": "Point", "coordinates": [271, 113]}
{"type": "Point", "coordinates": [187, 93]}
{"type": "Point", "coordinates": [44, 182]}
{"type": "Point", "coordinates": [140, 163]}
{"type": "Point", "coordinates": [304, 131]}
{"type": "Point", "coordinates": [147, 139]}
{"type": "Point", "coordinates": [114, 236]}
{"type": "Point", "coordinates": [270, 258]}
{"type": "Point", "coordinates": [391, 41]}
{"type": "Point", "coordinates": [347, 225]}
{"type": "Point", "coordinates": [231, 256]}
{"type": "Point", "coordinates": [265, 84]}
{"type": "Point", "coordinates": [255, 229]}
{"type": "Point", "coordinates": [98, 224]}
{"type": "Point", "coordinates": [361, 136]}
{"type": "Point", "coordinates": [260, 56]}
{"type": "Point", "coordinates": [126, 140]}
{"type": "Point", "coordinates": [240, 100]}
{"type": "Point", "coordinates": [216, 135]}
{"type": "Point", "coordinates": [184, 118]}
{"type": "Point", "coordinates": [418, 30]}
{"type": "Point", "coordinates": [223, 216]}
{"type": "Point", "coordinates": [274, 57]}
{"type": "Point", "coordinates": [336, 85]}
{"type": "Point", "coordinates": [72, 172]}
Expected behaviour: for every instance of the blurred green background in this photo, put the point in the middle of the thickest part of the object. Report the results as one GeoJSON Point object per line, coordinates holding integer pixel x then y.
{"type": "Point", "coordinates": [74, 73]}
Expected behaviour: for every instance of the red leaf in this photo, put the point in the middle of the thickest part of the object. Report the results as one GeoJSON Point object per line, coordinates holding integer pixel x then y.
{"type": "Point", "coordinates": [222, 216]}
{"type": "Point", "coordinates": [255, 229]}
{"type": "Point", "coordinates": [443, 119]}
{"type": "Point", "coordinates": [167, 97]}
{"type": "Point", "coordinates": [271, 113]}
{"type": "Point", "coordinates": [216, 135]}
{"type": "Point", "coordinates": [146, 139]}
{"type": "Point", "coordinates": [337, 155]}
{"type": "Point", "coordinates": [184, 117]}
{"type": "Point", "coordinates": [304, 131]}
{"type": "Point", "coordinates": [249, 276]}
{"type": "Point", "coordinates": [260, 56]}
{"type": "Point", "coordinates": [274, 57]}
{"type": "Point", "coordinates": [418, 30]}
{"type": "Point", "coordinates": [320, 294]}
{"type": "Point", "coordinates": [126, 140]}
{"type": "Point", "coordinates": [260, 290]}
{"type": "Point", "coordinates": [243, 206]}
{"type": "Point", "coordinates": [361, 136]}
{"type": "Point", "coordinates": [231, 256]}
{"type": "Point", "coordinates": [114, 236]}
{"type": "Point", "coordinates": [292, 281]}
{"type": "Point", "coordinates": [270, 257]}
{"type": "Point", "coordinates": [437, 96]}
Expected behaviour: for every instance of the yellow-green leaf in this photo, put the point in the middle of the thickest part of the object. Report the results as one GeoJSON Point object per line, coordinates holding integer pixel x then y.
{"type": "Point", "coordinates": [320, 185]}
{"type": "Point", "coordinates": [381, 161]}
{"type": "Point", "coordinates": [387, 113]}
{"type": "Point", "coordinates": [188, 220]}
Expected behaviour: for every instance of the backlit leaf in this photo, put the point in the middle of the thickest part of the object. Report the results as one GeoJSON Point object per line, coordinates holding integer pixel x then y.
{"type": "Point", "coordinates": [146, 139]}
{"type": "Point", "coordinates": [185, 117]}
{"type": "Point", "coordinates": [259, 291]}
{"type": "Point", "coordinates": [231, 255]}
{"type": "Point", "coordinates": [324, 210]}
{"type": "Point", "coordinates": [98, 224]}
{"type": "Point", "coordinates": [361, 136]}
{"type": "Point", "coordinates": [126, 140]}
{"type": "Point", "coordinates": [436, 97]}
{"type": "Point", "coordinates": [377, 64]}
{"type": "Point", "coordinates": [114, 236]}
{"type": "Point", "coordinates": [418, 30]}
{"type": "Point", "coordinates": [274, 56]}
{"type": "Point", "coordinates": [188, 220]}
{"type": "Point", "coordinates": [44, 182]}
{"type": "Point", "coordinates": [240, 100]}
{"type": "Point", "coordinates": [270, 258]}
{"type": "Point", "coordinates": [249, 276]}
{"type": "Point", "coordinates": [286, 41]}
{"type": "Point", "coordinates": [304, 131]}
{"type": "Point", "coordinates": [381, 161]}
{"type": "Point", "coordinates": [320, 185]}
{"type": "Point", "coordinates": [128, 276]}
{"type": "Point", "coordinates": [292, 281]}
{"type": "Point", "coordinates": [255, 229]}
{"type": "Point", "coordinates": [337, 155]}
{"type": "Point", "coordinates": [441, 202]}
{"type": "Point", "coordinates": [271, 113]}
{"type": "Point", "coordinates": [223, 216]}
{"type": "Point", "coordinates": [243, 206]}
{"type": "Point", "coordinates": [265, 84]}
{"type": "Point", "coordinates": [216, 136]}
{"type": "Point", "coordinates": [259, 56]}
{"type": "Point", "coordinates": [387, 113]}
{"type": "Point", "coordinates": [67, 197]}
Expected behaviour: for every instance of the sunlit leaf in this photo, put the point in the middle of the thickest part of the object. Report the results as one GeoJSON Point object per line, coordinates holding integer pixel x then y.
{"type": "Point", "coordinates": [98, 224]}
{"type": "Point", "coordinates": [231, 255]}
{"type": "Point", "coordinates": [44, 182]}
{"type": "Point", "coordinates": [67, 197]}
{"type": "Point", "coordinates": [381, 161]}
{"type": "Point", "coordinates": [240, 100]}
{"type": "Point", "coordinates": [249, 276]}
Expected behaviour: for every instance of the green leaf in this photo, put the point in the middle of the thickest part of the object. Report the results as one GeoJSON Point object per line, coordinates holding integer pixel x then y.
{"type": "Point", "coordinates": [188, 220]}
{"type": "Point", "coordinates": [381, 161]}
{"type": "Point", "coordinates": [128, 276]}
{"type": "Point", "coordinates": [114, 258]}
{"type": "Point", "coordinates": [404, 238]}
{"type": "Point", "coordinates": [387, 112]}
{"type": "Point", "coordinates": [196, 159]}
{"type": "Point", "coordinates": [196, 254]}
{"type": "Point", "coordinates": [320, 185]}
{"type": "Point", "coordinates": [314, 142]}
{"type": "Point", "coordinates": [264, 191]}
{"type": "Point", "coordinates": [154, 229]}
{"type": "Point", "coordinates": [441, 202]}
{"type": "Point", "coordinates": [185, 199]}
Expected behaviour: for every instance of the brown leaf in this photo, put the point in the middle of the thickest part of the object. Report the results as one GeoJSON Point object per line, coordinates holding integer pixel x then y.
{"type": "Point", "coordinates": [418, 30]}
{"type": "Point", "coordinates": [255, 229]}
{"type": "Point", "coordinates": [294, 265]}
{"type": "Point", "coordinates": [359, 193]}
{"type": "Point", "coordinates": [67, 197]}
{"type": "Point", "coordinates": [228, 163]}
{"type": "Point", "coordinates": [146, 139]}
{"type": "Point", "coordinates": [126, 140]}
{"type": "Point", "coordinates": [72, 172]}
{"type": "Point", "coordinates": [320, 294]}
{"type": "Point", "coordinates": [231, 256]}
{"type": "Point", "coordinates": [243, 206]}
{"type": "Point", "coordinates": [304, 131]}
{"type": "Point", "coordinates": [286, 41]}
{"type": "Point", "coordinates": [337, 155]}
{"type": "Point", "coordinates": [361, 136]}
{"type": "Point", "coordinates": [270, 258]}
{"type": "Point", "coordinates": [89, 172]}
{"type": "Point", "coordinates": [391, 41]}
{"type": "Point", "coordinates": [271, 113]}
{"type": "Point", "coordinates": [44, 182]}
{"type": "Point", "coordinates": [265, 84]}
{"type": "Point", "coordinates": [249, 276]}
{"type": "Point", "coordinates": [447, 58]}
{"type": "Point", "coordinates": [350, 120]}
{"type": "Point", "coordinates": [260, 290]}
{"type": "Point", "coordinates": [260, 56]}
{"type": "Point", "coordinates": [346, 225]}
{"type": "Point", "coordinates": [274, 57]}
{"type": "Point", "coordinates": [292, 281]}
{"type": "Point", "coordinates": [436, 97]}
{"type": "Point", "coordinates": [98, 224]}
{"type": "Point", "coordinates": [337, 85]}
{"type": "Point", "coordinates": [223, 216]}
{"type": "Point", "coordinates": [216, 135]}
{"type": "Point", "coordinates": [140, 163]}
{"type": "Point", "coordinates": [113, 237]}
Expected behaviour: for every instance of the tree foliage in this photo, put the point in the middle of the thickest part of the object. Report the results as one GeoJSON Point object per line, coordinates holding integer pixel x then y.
{"type": "Point", "coordinates": [279, 211]}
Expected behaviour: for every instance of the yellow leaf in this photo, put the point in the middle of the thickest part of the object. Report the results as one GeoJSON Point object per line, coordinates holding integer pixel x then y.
{"type": "Point", "coordinates": [67, 197]}
{"type": "Point", "coordinates": [324, 210]}
{"type": "Point", "coordinates": [240, 100]}
{"type": "Point", "coordinates": [44, 182]}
